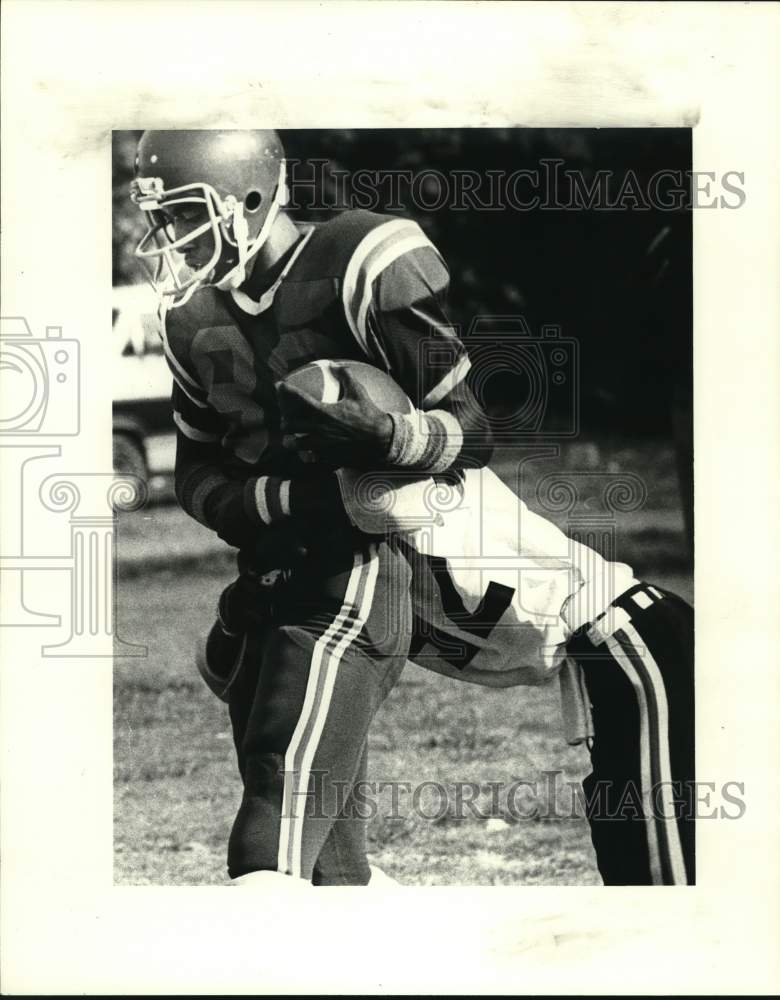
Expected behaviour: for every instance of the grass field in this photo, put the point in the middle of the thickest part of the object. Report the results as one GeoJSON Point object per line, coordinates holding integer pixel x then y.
{"type": "Point", "coordinates": [176, 785]}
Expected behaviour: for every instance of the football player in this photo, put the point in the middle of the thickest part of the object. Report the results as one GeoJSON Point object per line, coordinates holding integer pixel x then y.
{"type": "Point", "coordinates": [332, 599]}
{"type": "Point", "coordinates": [249, 296]}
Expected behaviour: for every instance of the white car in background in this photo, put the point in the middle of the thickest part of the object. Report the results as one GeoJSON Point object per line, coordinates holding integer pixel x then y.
{"type": "Point", "coordinates": [143, 429]}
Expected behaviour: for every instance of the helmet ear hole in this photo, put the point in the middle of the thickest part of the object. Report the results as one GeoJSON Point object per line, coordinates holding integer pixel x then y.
{"type": "Point", "coordinates": [253, 201]}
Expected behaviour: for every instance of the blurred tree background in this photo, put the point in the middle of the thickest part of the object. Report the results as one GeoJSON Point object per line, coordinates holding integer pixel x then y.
{"type": "Point", "coordinates": [619, 281]}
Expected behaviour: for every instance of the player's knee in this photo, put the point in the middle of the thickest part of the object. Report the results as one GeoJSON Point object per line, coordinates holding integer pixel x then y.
{"type": "Point", "coordinates": [264, 772]}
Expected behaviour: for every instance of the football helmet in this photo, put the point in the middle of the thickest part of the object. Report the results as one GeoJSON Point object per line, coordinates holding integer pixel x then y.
{"type": "Point", "coordinates": [230, 182]}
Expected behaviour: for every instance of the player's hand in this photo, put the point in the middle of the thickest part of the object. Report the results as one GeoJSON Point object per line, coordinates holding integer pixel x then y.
{"type": "Point", "coordinates": [353, 432]}
{"type": "Point", "coordinates": [236, 601]}
{"type": "Point", "coordinates": [248, 599]}
{"type": "Point", "coordinates": [281, 546]}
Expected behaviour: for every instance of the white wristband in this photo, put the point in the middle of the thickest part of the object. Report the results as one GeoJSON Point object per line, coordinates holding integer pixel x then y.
{"type": "Point", "coordinates": [430, 441]}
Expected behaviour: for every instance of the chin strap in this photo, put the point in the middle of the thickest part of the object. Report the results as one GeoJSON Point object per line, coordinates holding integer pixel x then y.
{"type": "Point", "coordinates": [237, 276]}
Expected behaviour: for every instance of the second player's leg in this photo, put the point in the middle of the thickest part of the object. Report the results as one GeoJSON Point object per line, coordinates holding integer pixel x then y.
{"type": "Point", "coordinates": [640, 794]}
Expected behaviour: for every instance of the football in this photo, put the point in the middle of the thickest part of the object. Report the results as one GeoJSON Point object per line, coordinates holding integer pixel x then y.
{"type": "Point", "coordinates": [320, 379]}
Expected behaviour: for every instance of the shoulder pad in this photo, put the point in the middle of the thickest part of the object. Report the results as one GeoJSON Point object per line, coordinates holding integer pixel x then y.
{"type": "Point", "coordinates": [333, 243]}
{"type": "Point", "coordinates": [204, 309]}
{"type": "Point", "coordinates": [422, 274]}
{"type": "Point", "coordinates": [179, 327]}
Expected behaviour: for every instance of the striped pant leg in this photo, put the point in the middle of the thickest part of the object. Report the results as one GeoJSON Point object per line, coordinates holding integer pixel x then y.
{"type": "Point", "coordinates": [342, 859]}
{"type": "Point", "coordinates": [640, 797]}
{"type": "Point", "coordinates": [320, 682]}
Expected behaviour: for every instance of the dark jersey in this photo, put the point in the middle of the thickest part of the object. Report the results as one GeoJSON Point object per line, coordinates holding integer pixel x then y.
{"type": "Point", "coordinates": [362, 286]}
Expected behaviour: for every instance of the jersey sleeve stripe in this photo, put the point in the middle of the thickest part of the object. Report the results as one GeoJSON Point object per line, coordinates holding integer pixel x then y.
{"type": "Point", "coordinates": [383, 260]}
{"type": "Point", "coordinates": [442, 389]}
{"type": "Point", "coordinates": [193, 433]}
{"type": "Point", "coordinates": [199, 496]}
{"type": "Point", "coordinates": [354, 277]}
{"type": "Point", "coordinates": [261, 500]}
{"type": "Point", "coordinates": [284, 497]}
{"type": "Point", "coordinates": [187, 391]}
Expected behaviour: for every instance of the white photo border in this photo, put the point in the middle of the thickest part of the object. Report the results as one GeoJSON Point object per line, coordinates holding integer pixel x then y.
{"type": "Point", "coordinates": [74, 71]}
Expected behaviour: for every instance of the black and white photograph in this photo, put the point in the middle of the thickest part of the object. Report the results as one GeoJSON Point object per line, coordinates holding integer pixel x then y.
{"type": "Point", "coordinates": [432, 405]}
{"type": "Point", "coordinates": [389, 457]}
